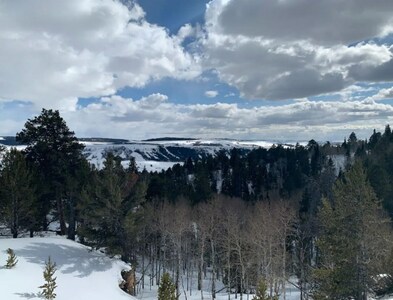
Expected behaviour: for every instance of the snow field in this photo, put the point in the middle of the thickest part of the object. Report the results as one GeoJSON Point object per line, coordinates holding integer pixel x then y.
{"type": "Point", "coordinates": [81, 274]}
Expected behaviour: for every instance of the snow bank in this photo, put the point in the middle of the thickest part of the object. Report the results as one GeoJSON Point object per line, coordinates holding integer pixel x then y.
{"type": "Point", "coordinates": [81, 274]}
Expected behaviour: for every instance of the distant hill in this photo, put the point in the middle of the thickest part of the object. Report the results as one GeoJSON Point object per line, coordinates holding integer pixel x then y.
{"type": "Point", "coordinates": [168, 139]}
{"type": "Point", "coordinates": [9, 141]}
{"type": "Point", "coordinates": [158, 153]}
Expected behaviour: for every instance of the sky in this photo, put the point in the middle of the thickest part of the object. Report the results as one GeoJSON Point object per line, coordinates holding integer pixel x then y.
{"type": "Point", "coordinates": [285, 70]}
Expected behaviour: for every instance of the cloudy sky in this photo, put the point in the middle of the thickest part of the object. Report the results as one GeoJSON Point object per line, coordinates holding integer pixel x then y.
{"type": "Point", "coordinates": [251, 69]}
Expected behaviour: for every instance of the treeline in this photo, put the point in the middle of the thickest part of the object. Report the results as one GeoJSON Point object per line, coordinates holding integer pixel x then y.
{"type": "Point", "coordinates": [278, 215]}
{"type": "Point", "coordinates": [262, 174]}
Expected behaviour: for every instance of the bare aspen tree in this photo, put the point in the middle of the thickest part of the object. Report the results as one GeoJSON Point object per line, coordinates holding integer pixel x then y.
{"type": "Point", "coordinates": [174, 222]}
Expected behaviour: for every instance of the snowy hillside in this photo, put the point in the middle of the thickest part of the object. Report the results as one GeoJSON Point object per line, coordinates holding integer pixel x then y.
{"type": "Point", "coordinates": [158, 154]}
{"type": "Point", "coordinates": [81, 274]}
{"type": "Point", "coordinates": [162, 154]}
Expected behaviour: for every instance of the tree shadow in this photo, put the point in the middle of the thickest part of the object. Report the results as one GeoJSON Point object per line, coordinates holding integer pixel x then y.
{"type": "Point", "coordinates": [68, 259]}
{"type": "Point", "coordinates": [29, 295]}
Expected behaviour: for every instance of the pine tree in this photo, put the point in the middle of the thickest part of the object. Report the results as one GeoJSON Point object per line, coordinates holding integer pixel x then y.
{"type": "Point", "coordinates": [261, 292]}
{"type": "Point", "coordinates": [354, 239]}
{"type": "Point", "coordinates": [11, 260]}
{"type": "Point", "coordinates": [107, 204]}
{"type": "Point", "coordinates": [17, 195]}
{"type": "Point", "coordinates": [56, 152]}
{"type": "Point", "coordinates": [48, 288]}
{"type": "Point", "coordinates": [167, 289]}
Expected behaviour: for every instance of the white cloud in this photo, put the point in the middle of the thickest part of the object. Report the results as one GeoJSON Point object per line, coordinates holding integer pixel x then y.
{"type": "Point", "coordinates": [53, 52]}
{"type": "Point", "coordinates": [382, 94]}
{"type": "Point", "coordinates": [211, 94]}
{"type": "Point", "coordinates": [295, 49]}
{"type": "Point", "coordinates": [155, 115]}
{"type": "Point", "coordinates": [186, 31]}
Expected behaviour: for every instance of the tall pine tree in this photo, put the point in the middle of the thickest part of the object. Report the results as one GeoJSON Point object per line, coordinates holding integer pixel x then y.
{"type": "Point", "coordinates": [17, 193]}
{"type": "Point", "coordinates": [55, 151]}
{"type": "Point", "coordinates": [354, 239]}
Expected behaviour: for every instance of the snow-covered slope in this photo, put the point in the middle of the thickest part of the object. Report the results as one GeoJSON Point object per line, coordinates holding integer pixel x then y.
{"type": "Point", "coordinates": [81, 274]}
{"type": "Point", "coordinates": [158, 155]}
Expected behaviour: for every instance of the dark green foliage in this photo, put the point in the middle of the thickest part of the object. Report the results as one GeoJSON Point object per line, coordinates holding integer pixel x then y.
{"type": "Point", "coordinates": [18, 204]}
{"type": "Point", "coordinates": [201, 183]}
{"type": "Point", "coordinates": [107, 206]}
{"type": "Point", "coordinates": [167, 289]}
{"type": "Point", "coordinates": [54, 150]}
{"type": "Point", "coordinates": [261, 292]}
{"type": "Point", "coordinates": [251, 176]}
{"type": "Point", "coordinates": [379, 166]}
{"type": "Point", "coordinates": [11, 260]}
{"type": "Point", "coordinates": [48, 134]}
{"type": "Point", "coordinates": [354, 237]}
{"type": "Point", "coordinates": [48, 288]}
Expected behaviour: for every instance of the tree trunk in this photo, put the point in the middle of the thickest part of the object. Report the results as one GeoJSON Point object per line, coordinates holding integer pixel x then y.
{"type": "Point", "coordinates": [284, 266]}
{"type": "Point", "coordinates": [213, 269]}
{"type": "Point", "coordinates": [60, 211]}
{"type": "Point", "coordinates": [200, 266]}
{"type": "Point", "coordinates": [71, 219]}
{"type": "Point", "coordinates": [14, 222]}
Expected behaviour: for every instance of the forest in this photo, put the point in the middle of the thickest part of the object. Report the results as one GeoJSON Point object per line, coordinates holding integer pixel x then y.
{"type": "Point", "coordinates": [278, 216]}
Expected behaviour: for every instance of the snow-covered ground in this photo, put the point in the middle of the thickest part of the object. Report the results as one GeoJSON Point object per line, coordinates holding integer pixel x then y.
{"type": "Point", "coordinates": [81, 273]}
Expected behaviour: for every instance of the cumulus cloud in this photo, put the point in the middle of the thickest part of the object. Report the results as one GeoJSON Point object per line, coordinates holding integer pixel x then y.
{"type": "Point", "coordinates": [382, 94]}
{"type": "Point", "coordinates": [296, 48]}
{"type": "Point", "coordinates": [54, 52]}
{"type": "Point", "coordinates": [211, 94]}
{"type": "Point", "coordinates": [327, 22]}
{"type": "Point", "coordinates": [155, 115]}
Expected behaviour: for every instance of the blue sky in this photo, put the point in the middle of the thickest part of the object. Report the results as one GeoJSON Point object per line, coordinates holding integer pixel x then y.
{"type": "Point", "coordinates": [173, 14]}
{"type": "Point", "coordinates": [278, 70]}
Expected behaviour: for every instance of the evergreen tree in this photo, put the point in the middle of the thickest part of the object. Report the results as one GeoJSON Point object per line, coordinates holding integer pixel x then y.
{"type": "Point", "coordinates": [48, 288]}
{"type": "Point", "coordinates": [108, 205]}
{"type": "Point", "coordinates": [18, 199]}
{"type": "Point", "coordinates": [167, 289]}
{"type": "Point", "coordinates": [202, 187]}
{"type": "Point", "coordinates": [55, 151]}
{"type": "Point", "coordinates": [261, 292]}
{"type": "Point", "coordinates": [11, 260]}
{"type": "Point", "coordinates": [354, 239]}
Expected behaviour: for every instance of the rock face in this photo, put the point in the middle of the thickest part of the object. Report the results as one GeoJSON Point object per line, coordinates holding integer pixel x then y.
{"type": "Point", "coordinates": [129, 281]}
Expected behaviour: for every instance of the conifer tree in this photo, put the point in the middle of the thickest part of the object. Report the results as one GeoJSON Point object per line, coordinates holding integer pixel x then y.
{"type": "Point", "coordinates": [354, 240]}
{"type": "Point", "coordinates": [167, 289]}
{"type": "Point", "coordinates": [17, 195]}
{"type": "Point", "coordinates": [48, 288]}
{"type": "Point", "coordinates": [261, 292]}
{"type": "Point", "coordinates": [107, 205]}
{"type": "Point", "coordinates": [11, 260]}
{"type": "Point", "coordinates": [53, 148]}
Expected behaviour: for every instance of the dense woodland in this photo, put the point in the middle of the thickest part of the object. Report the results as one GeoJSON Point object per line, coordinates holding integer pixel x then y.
{"type": "Point", "coordinates": [277, 216]}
